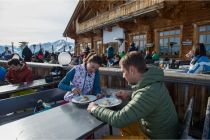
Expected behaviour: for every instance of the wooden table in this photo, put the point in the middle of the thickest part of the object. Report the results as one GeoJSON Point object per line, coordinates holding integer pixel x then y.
{"type": "Point", "coordinates": [7, 89]}
{"type": "Point", "coordinates": [64, 122]}
{"type": "Point", "coordinates": [39, 65]}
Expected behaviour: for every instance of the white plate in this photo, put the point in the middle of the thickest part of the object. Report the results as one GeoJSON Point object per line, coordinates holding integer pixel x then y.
{"type": "Point", "coordinates": [112, 101]}
{"type": "Point", "coordinates": [79, 99]}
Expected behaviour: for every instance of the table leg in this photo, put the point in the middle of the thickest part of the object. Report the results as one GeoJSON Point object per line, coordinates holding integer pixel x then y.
{"type": "Point", "coordinates": [110, 130]}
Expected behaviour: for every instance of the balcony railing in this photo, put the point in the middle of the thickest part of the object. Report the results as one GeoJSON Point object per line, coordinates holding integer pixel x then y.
{"type": "Point", "coordinates": [120, 13]}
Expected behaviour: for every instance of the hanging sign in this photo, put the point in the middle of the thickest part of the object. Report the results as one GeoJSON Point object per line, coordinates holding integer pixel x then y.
{"type": "Point", "coordinates": [148, 45]}
{"type": "Point", "coordinates": [187, 43]}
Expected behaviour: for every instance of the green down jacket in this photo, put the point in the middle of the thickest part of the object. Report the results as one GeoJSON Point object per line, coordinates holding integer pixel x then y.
{"type": "Point", "coordinates": [150, 105]}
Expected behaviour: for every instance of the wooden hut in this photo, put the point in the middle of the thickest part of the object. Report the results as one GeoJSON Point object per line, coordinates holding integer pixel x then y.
{"type": "Point", "coordinates": [169, 27]}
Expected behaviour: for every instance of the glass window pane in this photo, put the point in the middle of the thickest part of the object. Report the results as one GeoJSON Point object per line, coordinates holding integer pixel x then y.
{"type": "Point", "coordinates": [166, 33]}
{"type": "Point", "coordinates": [172, 40]}
{"type": "Point", "coordinates": [175, 48]}
{"type": "Point", "coordinates": [161, 42]}
{"type": "Point", "coordinates": [177, 40]}
{"type": "Point", "coordinates": [202, 28]}
{"type": "Point", "coordinates": [161, 33]}
{"type": "Point", "coordinates": [207, 49]}
{"type": "Point", "coordinates": [141, 44]}
{"type": "Point", "coordinates": [208, 27]}
{"type": "Point", "coordinates": [202, 39]}
{"type": "Point", "coordinates": [178, 32]}
{"type": "Point", "coordinates": [141, 36]}
{"type": "Point", "coordinates": [144, 43]}
{"type": "Point", "coordinates": [137, 42]}
{"type": "Point", "coordinates": [172, 32]}
{"type": "Point", "coordinates": [136, 37]}
{"type": "Point", "coordinates": [208, 39]}
{"type": "Point", "coordinates": [165, 42]}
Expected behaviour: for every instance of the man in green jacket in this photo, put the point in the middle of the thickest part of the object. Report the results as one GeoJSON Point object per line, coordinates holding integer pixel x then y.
{"type": "Point", "coordinates": [150, 105]}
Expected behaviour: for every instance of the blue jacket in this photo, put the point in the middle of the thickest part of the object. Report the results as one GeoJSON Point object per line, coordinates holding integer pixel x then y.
{"type": "Point", "coordinates": [199, 64]}
{"type": "Point", "coordinates": [110, 52]}
{"type": "Point", "coordinates": [65, 82]}
{"type": "Point", "coordinates": [3, 72]}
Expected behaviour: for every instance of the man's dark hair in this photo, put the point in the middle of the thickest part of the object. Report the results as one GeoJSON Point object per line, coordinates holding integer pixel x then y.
{"type": "Point", "coordinates": [134, 59]}
{"type": "Point", "coordinates": [200, 49]}
{"type": "Point", "coordinates": [14, 62]}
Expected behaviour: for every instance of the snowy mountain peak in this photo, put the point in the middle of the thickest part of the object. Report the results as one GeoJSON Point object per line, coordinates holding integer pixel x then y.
{"type": "Point", "coordinates": [58, 46]}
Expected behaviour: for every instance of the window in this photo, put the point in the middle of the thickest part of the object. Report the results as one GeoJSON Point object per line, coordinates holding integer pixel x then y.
{"type": "Point", "coordinates": [204, 37]}
{"type": "Point", "coordinates": [140, 42]}
{"type": "Point", "coordinates": [169, 42]}
{"type": "Point", "coordinates": [98, 48]}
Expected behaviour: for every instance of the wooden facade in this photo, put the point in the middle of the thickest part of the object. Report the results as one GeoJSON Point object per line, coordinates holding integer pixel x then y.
{"type": "Point", "coordinates": [169, 27]}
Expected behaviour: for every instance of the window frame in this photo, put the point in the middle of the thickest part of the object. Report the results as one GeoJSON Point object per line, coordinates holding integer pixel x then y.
{"type": "Point", "coordinates": [168, 37]}
{"type": "Point", "coordinates": [139, 40]}
{"type": "Point", "coordinates": [205, 33]}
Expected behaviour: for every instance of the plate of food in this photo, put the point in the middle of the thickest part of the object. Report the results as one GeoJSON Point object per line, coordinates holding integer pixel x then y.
{"type": "Point", "coordinates": [83, 99]}
{"type": "Point", "coordinates": [109, 102]}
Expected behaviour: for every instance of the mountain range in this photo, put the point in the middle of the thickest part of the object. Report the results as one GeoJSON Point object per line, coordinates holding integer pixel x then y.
{"type": "Point", "coordinates": [58, 46]}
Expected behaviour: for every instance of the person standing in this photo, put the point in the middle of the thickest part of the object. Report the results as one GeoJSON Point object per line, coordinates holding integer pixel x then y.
{"type": "Point", "coordinates": [27, 54]}
{"type": "Point", "coordinates": [6, 55]}
{"type": "Point", "coordinates": [150, 113]}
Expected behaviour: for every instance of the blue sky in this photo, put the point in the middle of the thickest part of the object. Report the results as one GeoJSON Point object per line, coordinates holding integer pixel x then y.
{"type": "Point", "coordinates": [35, 21]}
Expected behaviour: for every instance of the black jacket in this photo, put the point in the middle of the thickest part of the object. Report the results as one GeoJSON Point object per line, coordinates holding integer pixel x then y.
{"type": "Point", "coordinates": [27, 54]}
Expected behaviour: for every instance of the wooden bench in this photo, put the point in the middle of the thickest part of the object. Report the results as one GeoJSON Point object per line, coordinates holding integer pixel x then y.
{"type": "Point", "coordinates": [13, 105]}
{"type": "Point", "coordinates": [187, 121]}
{"type": "Point", "coordinates": [206, 130]}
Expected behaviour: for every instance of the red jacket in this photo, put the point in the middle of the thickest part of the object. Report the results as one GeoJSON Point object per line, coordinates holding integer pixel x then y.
{"type": "Point", "coordinates": [22, 75]}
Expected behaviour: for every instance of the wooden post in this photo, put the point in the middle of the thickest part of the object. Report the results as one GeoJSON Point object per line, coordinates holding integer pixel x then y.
{"type": "Point", "coordinates": [13, 47]}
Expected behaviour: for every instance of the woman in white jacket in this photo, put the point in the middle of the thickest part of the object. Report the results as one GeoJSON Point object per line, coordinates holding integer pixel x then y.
{"type": "Point", "coordinates": [200, 62]}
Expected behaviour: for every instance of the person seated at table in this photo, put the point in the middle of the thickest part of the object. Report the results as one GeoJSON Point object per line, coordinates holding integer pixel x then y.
{"type": "Point", "coordinates": [116, 60]}
{"type": "Point", "coordinates": [3, 72]}
{"type": "Point", "coordinates": [155, 56]}
{"type": "Point", "coordinates": [150, 113]}
{"type": "Point", "coordinates": [190, 54]}
{"type": "Point", "coordinates": [18, 72]}
{"type": "Point", "coordinates": [83, 79]}
{"type": "Point", "coordinates": [200, 62]}
{"type": "Point", "coordinates": [53, 59]}
{"type": "Point", "coordinates": [148, 57]}
{"type": "Point", "coordinates": [6, 55]}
